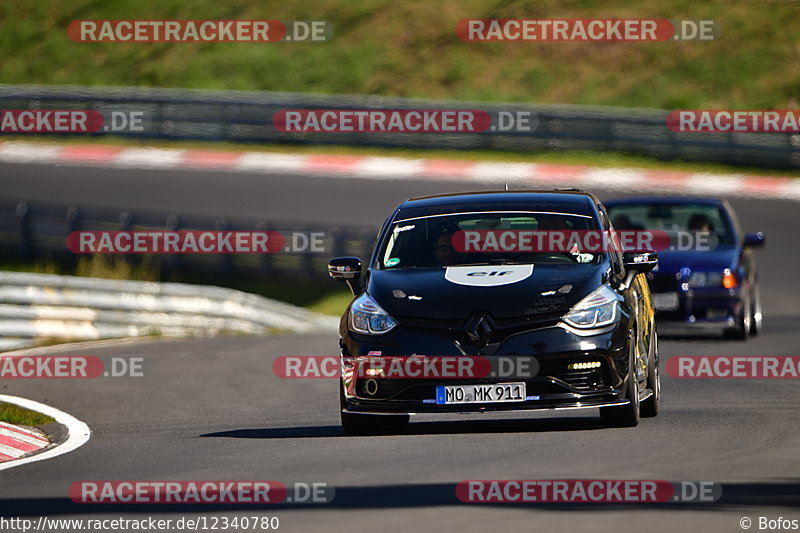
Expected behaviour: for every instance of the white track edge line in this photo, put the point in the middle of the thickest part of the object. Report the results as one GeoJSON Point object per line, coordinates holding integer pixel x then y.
{"type": "Point", "coordinates": [78, 432]}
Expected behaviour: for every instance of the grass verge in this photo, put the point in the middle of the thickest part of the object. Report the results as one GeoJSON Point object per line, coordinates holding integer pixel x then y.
{"type": "Point", "coordinates": [14, 414]}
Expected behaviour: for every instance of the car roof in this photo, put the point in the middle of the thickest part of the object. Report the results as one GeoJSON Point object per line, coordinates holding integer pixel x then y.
{"type": "Point", "coordinates": [663, 200]}
{"type": "Point", "coordinates": [567, 201]}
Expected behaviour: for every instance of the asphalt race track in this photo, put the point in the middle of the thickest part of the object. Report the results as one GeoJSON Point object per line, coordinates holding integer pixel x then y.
{"type": "Point", "coordinates": [213, 410]}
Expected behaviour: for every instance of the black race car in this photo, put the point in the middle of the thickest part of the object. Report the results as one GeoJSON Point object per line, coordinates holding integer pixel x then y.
{"type": "Point", "coordinates": [585, 318]}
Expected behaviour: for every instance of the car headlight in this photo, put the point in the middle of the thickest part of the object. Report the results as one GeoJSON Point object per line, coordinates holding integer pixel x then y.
{"type": "Point", "coordinates": [596, 310]}
{"type": "Point", "coordinates": [367, 317]}
{"type": "Point", "coordinates": [705, 279]}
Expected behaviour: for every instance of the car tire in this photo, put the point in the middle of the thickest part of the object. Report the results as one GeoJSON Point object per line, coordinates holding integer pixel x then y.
{"type": "Point", "coordinates": [625, 416]}
{"type": "Point", "coordinates": [756, 317]}
{"type": "Point", "coordinates": [743, 323]}
{"type": "Point", "coordinates": [652, 405]}
{"type": "Point", "coordinates": [360, 424]}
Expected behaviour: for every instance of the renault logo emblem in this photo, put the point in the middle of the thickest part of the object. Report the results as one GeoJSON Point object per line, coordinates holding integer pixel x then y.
{"type": "Point", "coordinates": [479, 330]}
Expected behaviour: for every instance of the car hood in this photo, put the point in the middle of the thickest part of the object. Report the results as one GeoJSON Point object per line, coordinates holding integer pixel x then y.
{"type": "Point", "coordinates": [503, 291]}
{"type": "Point", "coordinates": [716, 260]}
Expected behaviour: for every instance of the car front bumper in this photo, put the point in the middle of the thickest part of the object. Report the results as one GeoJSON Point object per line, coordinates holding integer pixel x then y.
{"type": "Point", "coordinates": [699, 310]}
{"type": "Point", "coordinates": [554, 385]}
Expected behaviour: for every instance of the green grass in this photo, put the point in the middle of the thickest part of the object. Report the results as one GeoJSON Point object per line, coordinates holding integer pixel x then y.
{"type": "Point", "coordinates": [333, 303]}
{"type": "Point", "coordinates": [96, 266]}
{"type": "Point", "coordinates": [410, 49]}
{"type": "Point", "coordinates": [14, 414]}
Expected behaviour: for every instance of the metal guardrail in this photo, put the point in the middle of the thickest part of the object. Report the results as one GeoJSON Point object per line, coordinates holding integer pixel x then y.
{"type": "Point", "coordinates": [31, 231]}
{"type": "Point", "coordinates": [247, 117]}
{"type": "Point", "coordinates": [45, 306]}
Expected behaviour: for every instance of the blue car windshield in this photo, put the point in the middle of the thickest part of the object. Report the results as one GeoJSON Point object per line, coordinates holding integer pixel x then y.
{"type": "Point", "coordinates": [672, 218]}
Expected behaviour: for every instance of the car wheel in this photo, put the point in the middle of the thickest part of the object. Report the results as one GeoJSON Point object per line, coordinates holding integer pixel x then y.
{"type": "Point", "coordinates": [360, 424]}
{"type": "Point", "coordinates": [652, 405]}
{"type": "Point", "coordinates": [743, 323]}
{"type": "Point", "coordinates": [756, 317]}
{"type": "Point", "coordinates": [625, 416]}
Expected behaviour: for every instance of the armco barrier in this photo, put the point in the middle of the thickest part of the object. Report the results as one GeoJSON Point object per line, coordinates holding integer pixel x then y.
{"type": "Point", "coordinates": [237, 116]}
{"type": "Point", "coordinates": [37, 230]}
{"type": "Point", "coordinates": [45, 306]}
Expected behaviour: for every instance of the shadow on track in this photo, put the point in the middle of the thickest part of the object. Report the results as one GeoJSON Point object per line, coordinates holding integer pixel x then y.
{"type": "Point", "coordinates": [423, 428]}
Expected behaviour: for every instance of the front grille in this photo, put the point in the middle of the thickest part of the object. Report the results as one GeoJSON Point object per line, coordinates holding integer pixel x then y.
{"type": "Point", "coordinates": [583, 381]}
{"type": "Point", "coordinates": [501, 329]}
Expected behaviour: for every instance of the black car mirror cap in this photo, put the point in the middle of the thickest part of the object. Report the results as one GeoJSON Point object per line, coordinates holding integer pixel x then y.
{"type": "Point", "coordinates": [347, 269]}
{"type": "Point", "coordinates": [754, 240]}
{"type": "Point", "coordinates": [640, 262]}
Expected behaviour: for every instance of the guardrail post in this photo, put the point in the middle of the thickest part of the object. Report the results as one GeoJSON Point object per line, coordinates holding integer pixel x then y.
{"type": "Point", "coordinates": [26, 239]}
{"type": "Point", "coordinates": [158, 118]}
{"type": "Point", "coordinates": [266, 259]}
{"type": "Point", "coordinates": [73, 220]}
{"type": "Point", "coordinates": [226, 125]}
{"type": "Point", "coordinates": [336, 238]}
{"type": "Point", "coordinates": [366, 240]}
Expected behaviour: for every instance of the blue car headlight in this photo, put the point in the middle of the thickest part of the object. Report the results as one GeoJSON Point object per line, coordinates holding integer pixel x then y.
{"type": "Point", "coordinates": [699, 280]}
{"type": "Point", "coordinates": [369, 318]}
{"type": "Point", "coordinates": [596, 310]}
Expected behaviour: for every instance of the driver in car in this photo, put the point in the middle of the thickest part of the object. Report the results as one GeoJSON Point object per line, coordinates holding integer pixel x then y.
{"type": "Point", "coordinates": [444, 251]}
{"type": "Point", "coordinates": [700, 222]}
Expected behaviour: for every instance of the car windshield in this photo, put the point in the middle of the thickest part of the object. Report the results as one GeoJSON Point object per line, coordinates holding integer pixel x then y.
{"type": "Point", "coordinates": [438, 241]}
{"type": "Point", "coordinates": [672, 218]}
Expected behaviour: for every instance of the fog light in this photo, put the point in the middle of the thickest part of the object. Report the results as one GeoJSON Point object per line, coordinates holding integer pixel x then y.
{"type": "Point", "coordinates": [372, 372]}
{"type": "Point", "coordinates": [584, 366]}
{"type": "Point", "coordinates": [371, 387]}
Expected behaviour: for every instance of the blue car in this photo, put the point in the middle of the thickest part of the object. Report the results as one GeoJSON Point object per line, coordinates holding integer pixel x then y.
{"type": "Point", "coordinates": [706, 280]}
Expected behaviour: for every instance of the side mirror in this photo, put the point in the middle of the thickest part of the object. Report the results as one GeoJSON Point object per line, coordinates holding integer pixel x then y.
{"type": "Point", "coordinates": [754, 240]}
{"type": "Point", "coordinates": [640, 262]}
{"type": "Point", "coordinates": [347, 269]}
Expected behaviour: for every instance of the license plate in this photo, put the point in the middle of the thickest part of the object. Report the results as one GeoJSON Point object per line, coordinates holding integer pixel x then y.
{"type": "Point", "coordinates": [667, 301]}
{"type": "Point", "coordinates": [498, 392]}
